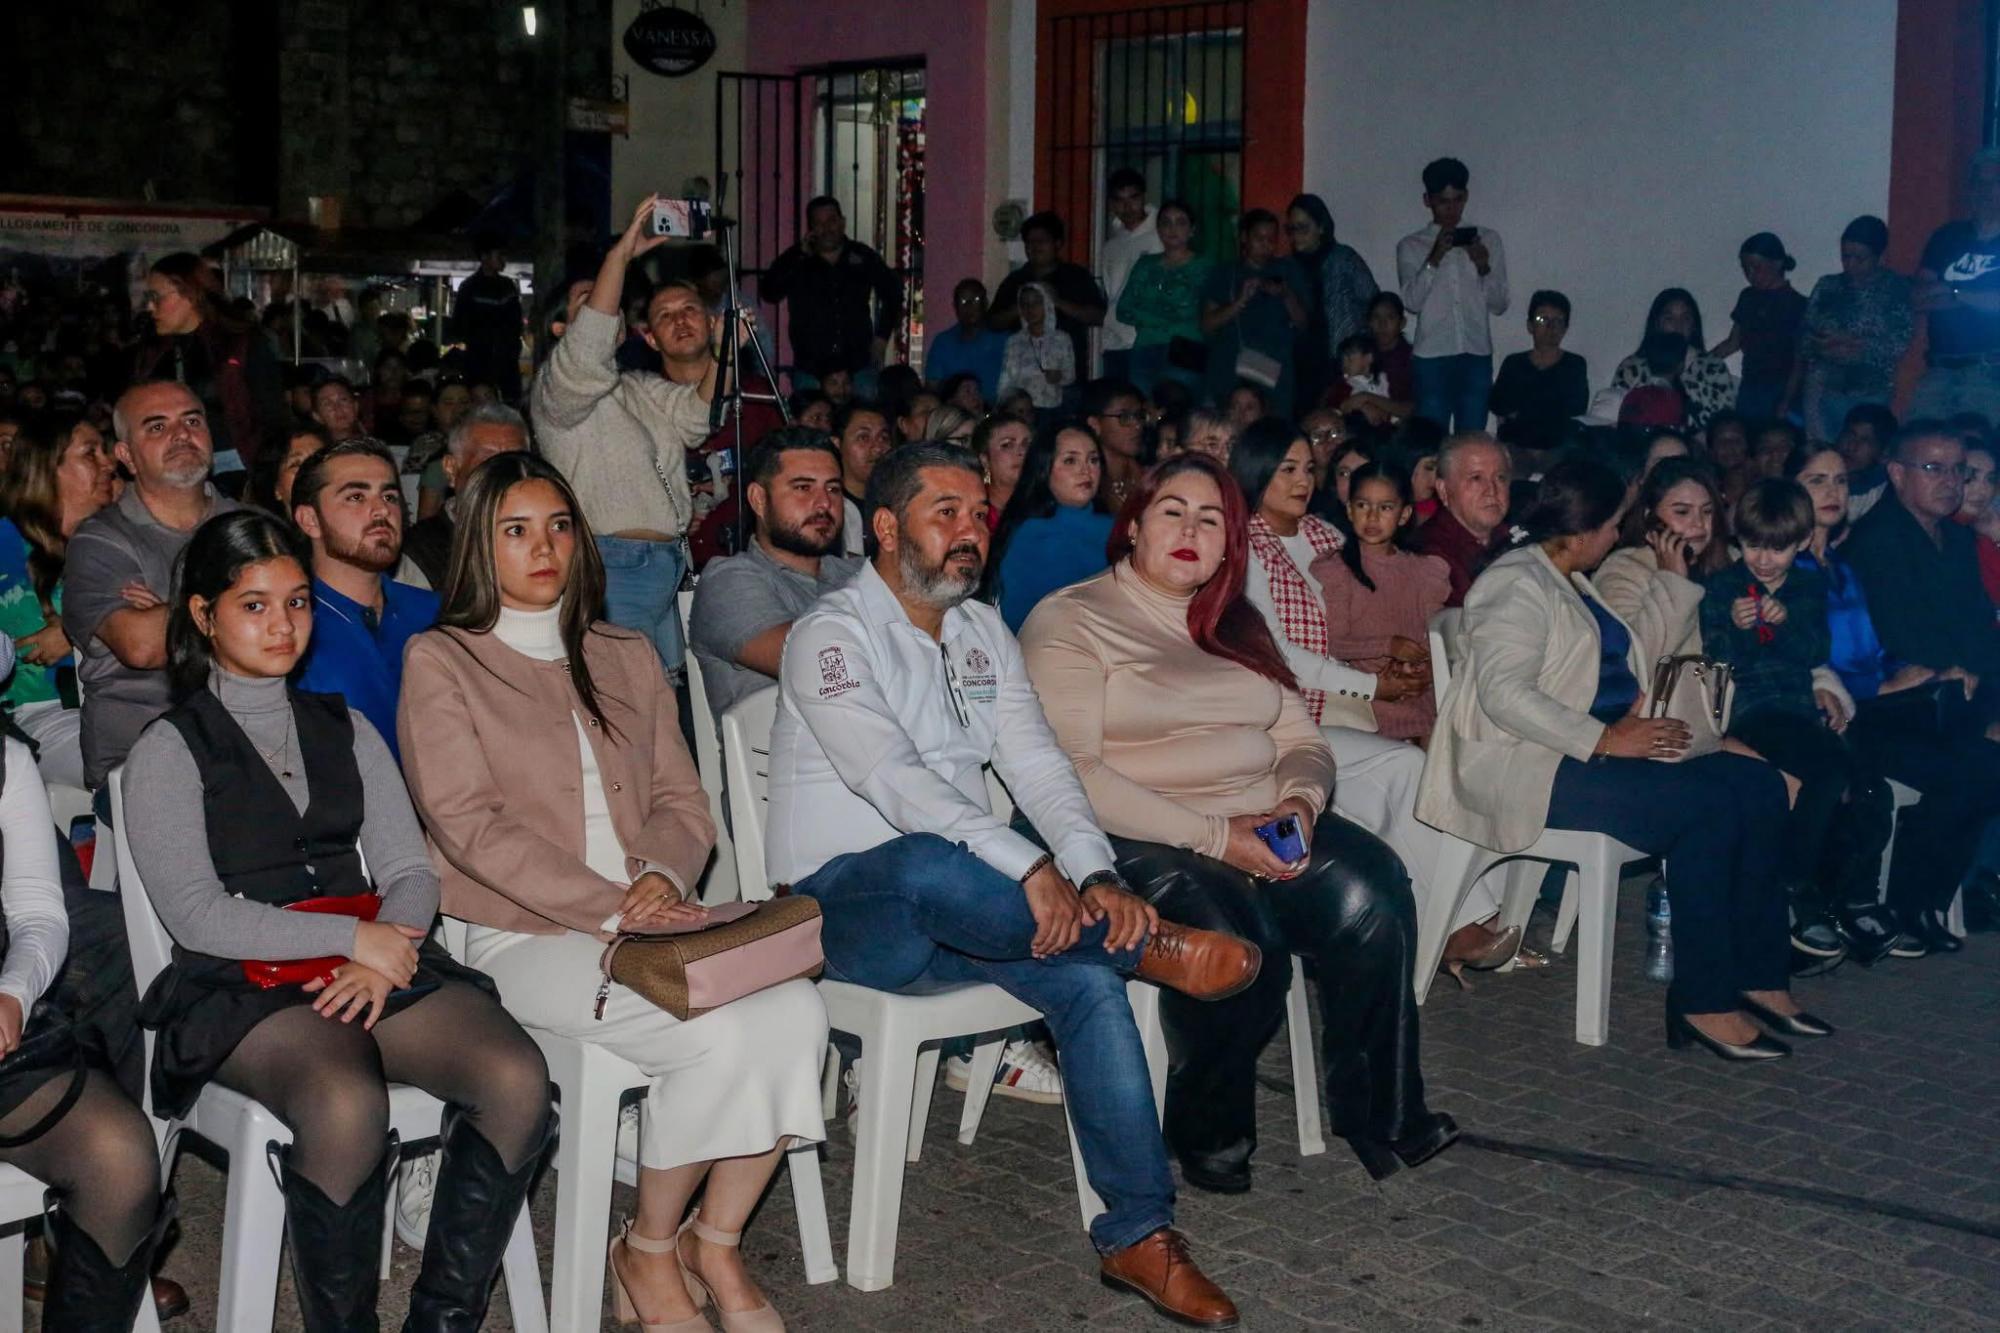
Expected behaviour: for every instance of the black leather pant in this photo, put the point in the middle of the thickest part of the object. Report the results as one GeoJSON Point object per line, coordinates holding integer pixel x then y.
{"type": "Point", "coordinates": [1351, 916]}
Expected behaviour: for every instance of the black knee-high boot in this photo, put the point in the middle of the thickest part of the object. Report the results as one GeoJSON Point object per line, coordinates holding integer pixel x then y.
{"type": "Point", "coordinates": [472, 1216]}
{"type": "Point", "coordinates": [336, 1248]}
{"type": "Point", "coordinates": [87, 1293]}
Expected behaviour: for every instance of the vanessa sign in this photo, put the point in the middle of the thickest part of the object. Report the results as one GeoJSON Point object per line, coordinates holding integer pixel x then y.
{"type": "Point", "coordinates": [670, 41]}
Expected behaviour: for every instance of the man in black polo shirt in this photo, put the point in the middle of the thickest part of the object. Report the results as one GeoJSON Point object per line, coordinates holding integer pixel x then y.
{"type": "Point", "coordinates": [1080, 303]}
{"type": "Point", "coordinates": [827, 280]}
{"type": "Point", "coordinates": [1958, 286]}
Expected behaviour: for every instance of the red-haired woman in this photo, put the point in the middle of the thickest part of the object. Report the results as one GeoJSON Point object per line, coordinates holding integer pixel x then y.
{"type": "Point", "coordinates": [1204, 742]}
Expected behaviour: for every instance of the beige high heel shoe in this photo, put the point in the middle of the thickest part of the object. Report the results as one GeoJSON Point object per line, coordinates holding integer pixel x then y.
{"type": "Point", "coordinates": [629, 1313]}
{"type": "Point", "coordinates": [763, 1319]}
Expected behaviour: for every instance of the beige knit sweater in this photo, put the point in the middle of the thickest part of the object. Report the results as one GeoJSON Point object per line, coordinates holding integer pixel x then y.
{"type": "Point", "coordinates": [1169, 739]}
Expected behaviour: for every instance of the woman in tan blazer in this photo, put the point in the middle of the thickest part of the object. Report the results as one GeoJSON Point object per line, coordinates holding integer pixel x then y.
{"type": "Point", "coordinates": [543, 747]}
{"type": "Point", "coordinates": [1542, 728]}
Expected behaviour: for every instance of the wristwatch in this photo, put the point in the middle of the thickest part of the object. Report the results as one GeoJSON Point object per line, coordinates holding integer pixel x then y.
{"type": "Point", "coordinates": [1110, 877]}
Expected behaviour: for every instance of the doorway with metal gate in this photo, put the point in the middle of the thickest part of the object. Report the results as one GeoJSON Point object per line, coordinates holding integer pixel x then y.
{"type": "Point", "coordinates": [854, 132]}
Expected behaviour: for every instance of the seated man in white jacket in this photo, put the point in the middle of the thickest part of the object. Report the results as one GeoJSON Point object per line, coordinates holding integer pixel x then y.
{"type": "Point", "coordinates": [895, 691]}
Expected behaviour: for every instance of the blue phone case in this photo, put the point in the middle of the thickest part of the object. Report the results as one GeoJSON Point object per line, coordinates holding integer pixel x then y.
{"type": "Point", "coordinates": [1282, 837]}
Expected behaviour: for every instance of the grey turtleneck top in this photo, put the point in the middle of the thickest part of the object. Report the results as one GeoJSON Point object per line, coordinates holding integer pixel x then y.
{"type": "Point", "coordinates": [165, 824]}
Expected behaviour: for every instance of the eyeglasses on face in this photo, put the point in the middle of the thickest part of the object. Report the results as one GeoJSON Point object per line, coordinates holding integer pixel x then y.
{"type": "Point", "coordinates": [1548, 321]}
{"type": "Point", "coordinates": [1938, 469]}
{"type": "Point", "coordinates": [1327, 435]}
{"type": "Point", "coordinates": [1126, 418]}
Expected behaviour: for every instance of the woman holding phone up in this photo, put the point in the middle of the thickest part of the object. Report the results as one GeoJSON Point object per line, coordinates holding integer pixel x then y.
{"type": "Point", "coordinates": [294, 790]}
{"type": "Point", "coordinates": [1204, 743]}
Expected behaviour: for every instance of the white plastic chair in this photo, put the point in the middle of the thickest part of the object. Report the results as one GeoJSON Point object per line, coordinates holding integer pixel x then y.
{"type": "Point", "coordinates": [1592, 862]}
{"type": "Point", "coordinates": [592, 1083]}
{"type": "Point", "coordinates": [1903, 797]}
{"type": "Point", "coordinates": [898, 1032]}
{"type": "Point", "coordinates": [67, 804]}
{"type": "Point", "coordinates": [253, 1224]}
{"type": "Point", "coordinates": [21, 1198]}
{"type": "Point", "coordinates": [718, 882]}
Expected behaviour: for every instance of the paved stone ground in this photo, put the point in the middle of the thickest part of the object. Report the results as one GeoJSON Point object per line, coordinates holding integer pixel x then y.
{"type": "Point", "coordinates": [1903, 1108]}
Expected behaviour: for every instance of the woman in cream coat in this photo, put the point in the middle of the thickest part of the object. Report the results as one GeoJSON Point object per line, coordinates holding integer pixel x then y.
{"type": "Point", "coordinates": [1541, 728]}
{"type": "Point", "coordinates": [544, 751]}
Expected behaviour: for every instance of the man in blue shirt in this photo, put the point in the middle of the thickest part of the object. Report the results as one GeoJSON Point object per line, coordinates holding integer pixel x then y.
{"type": "Point", "coordinates": [348, 501]}
{"type": "Point", "coordinates": [968, 347]}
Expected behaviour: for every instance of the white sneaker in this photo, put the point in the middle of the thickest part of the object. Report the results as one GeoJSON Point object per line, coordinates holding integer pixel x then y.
{"type": "Point", "coordinates": [1027, 1073]}
{"type": "Point", "coordinates": [626, 1167]}
{"type": "Point", "coordinates": [416, 1186]}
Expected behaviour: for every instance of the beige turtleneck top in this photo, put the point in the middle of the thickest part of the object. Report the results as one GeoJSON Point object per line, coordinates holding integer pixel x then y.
{"type": "Point", "coordinates": [1169, 739]}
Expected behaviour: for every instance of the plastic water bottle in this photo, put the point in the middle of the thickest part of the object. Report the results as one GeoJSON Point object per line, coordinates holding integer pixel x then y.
{"type": "Point", "coordinates": [1659, 927]}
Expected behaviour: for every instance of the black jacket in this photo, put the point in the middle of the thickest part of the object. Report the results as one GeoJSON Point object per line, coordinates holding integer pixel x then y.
{"type": "Point", "coordinates": [1928, 603]}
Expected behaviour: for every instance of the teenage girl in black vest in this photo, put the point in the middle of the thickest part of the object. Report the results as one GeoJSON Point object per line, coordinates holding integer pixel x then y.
{"type": "Point", "coordinates": [65, 1009]}
{"type": "Point", "coordinates": [294, 791]}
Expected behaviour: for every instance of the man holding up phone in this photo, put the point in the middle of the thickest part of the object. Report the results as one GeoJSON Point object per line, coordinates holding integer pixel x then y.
{"type": "Point", "coordinates": [1454, 278]}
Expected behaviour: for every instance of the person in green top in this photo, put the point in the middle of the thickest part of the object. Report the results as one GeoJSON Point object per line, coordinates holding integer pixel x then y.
{"type": "Point", "coordinates": [1162, 303]}
{"type": "Point", "coordinates": [58, 475]}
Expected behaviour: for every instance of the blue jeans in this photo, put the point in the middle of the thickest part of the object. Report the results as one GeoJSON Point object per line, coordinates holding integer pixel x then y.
{"type": "Point", "coordinates": [919, 914]}
{"type": "Point", "coordinates": [1452, 390]}
{"type": "Point", "coordinates": [641, 582]}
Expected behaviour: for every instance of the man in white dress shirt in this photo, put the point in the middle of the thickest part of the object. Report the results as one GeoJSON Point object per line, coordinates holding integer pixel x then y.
{"type": "Point", "coordinates": [895, 692]}
{"type": "Point", "coordinates": [1454, 278]}
{"type": "Point", "coordinates": [1132, 234]}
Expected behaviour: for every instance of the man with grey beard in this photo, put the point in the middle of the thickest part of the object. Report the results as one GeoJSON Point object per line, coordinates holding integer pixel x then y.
{"type": "Point", "coordinates": [119, 570]}
{"type": "Point", "coordinates": [894, 692]}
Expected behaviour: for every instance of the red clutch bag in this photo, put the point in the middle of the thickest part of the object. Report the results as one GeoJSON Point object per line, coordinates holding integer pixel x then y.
{"type": "Point", "coordinates": [299, 971]}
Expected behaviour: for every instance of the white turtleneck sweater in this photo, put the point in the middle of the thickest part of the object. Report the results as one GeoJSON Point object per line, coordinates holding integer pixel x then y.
{"type": "Point", "coordinates": [538, 634]}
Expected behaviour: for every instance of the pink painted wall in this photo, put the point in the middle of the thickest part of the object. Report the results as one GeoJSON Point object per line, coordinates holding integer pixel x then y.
{"type": "Point", "coordinates": [950, 35]}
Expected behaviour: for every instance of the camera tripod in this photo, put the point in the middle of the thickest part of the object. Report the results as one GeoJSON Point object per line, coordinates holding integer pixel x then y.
{"type": "Point", "coordinates": [730, 394]}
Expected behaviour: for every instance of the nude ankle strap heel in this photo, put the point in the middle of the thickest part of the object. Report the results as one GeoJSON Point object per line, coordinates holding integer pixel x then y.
{"type": "Point", "coordinates": [763, 1319]}
{"type": "Point", "coordinates": [629, 1313]}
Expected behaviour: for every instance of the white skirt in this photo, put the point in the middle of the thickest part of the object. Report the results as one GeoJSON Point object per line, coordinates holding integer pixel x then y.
{"type": "Point", "coordinates": [734, 1082]}
{"type": "Point", "coordinates": [1375, 785]}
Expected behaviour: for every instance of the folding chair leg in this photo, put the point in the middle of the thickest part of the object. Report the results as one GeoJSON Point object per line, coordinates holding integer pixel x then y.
{"type": "Point", "coordinates": [829, 1082]}
{"type": "Point", "coordinates": [12, 1280]}
{"type": "Point", "coordinates": [253, 1240]}
{"type": "Point", "coordinates": [922, 1092]}
{"type": "Point", "coordinates": [524, 1277]}
{"type": "Point", "coordinates": [1305, 1067]}
{"type": "Point", "coordinates": [1597, 885]}
{"type": "Point", "coordinates": [584, 1174]}
{"type": "Point", "coordinates": [979, 1087]}
{"type": "Point", "coordinates": [1144, 998]}
{"type": "Point", "coordinates": [1087, 1201]}
{"type": "Point", "coordinates": [1459, 865]}
{"type": "Point", "coordinates": [888, 1079]}
{"type": "Point", "coordinates": [1566, 913]}
{"type": "Point", "coordinates": [809, 1203]}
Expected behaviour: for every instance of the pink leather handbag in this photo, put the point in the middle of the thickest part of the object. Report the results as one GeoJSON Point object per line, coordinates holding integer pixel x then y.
{"type": "Point", "coordinates": [689, 968]}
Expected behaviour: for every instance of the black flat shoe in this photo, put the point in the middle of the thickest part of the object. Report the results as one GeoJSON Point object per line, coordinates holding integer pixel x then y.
{"type": "Point", "coordinates": [1384, 1159]}
{"type": "Point", "coordinates": [1870, 933]}
{"type": "Point", "coordinates": [1223, 1171]}
{"type": "Point", "coordinates": [1982, 901]}
{"type": "Point", "coordinates": [1801, 1024]}
{"type": "Point", "coordinates": [1935, 932]}
{"type": "Point", "coordinates": [1680, 1032]}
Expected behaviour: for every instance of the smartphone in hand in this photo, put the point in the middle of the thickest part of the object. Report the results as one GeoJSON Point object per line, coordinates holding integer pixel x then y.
{"type": "Point", "coordinates": [1465, 236]}
{"type": "Point", "coordinates": [1283, 837]}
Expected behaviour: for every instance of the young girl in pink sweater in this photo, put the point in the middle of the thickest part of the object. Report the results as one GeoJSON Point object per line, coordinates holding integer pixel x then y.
{"type": "Point", "coordinates": [1376, 592]}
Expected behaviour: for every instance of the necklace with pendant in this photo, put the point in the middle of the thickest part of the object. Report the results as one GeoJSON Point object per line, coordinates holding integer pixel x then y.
{"type": "Point", "coordinates": [280, 759]}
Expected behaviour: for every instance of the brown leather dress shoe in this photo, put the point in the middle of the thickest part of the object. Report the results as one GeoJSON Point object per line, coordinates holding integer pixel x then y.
{"type": "Point", "coordinates": [1204, 964]}
{"type": "Point", "coordinates": [1161, 1269]}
